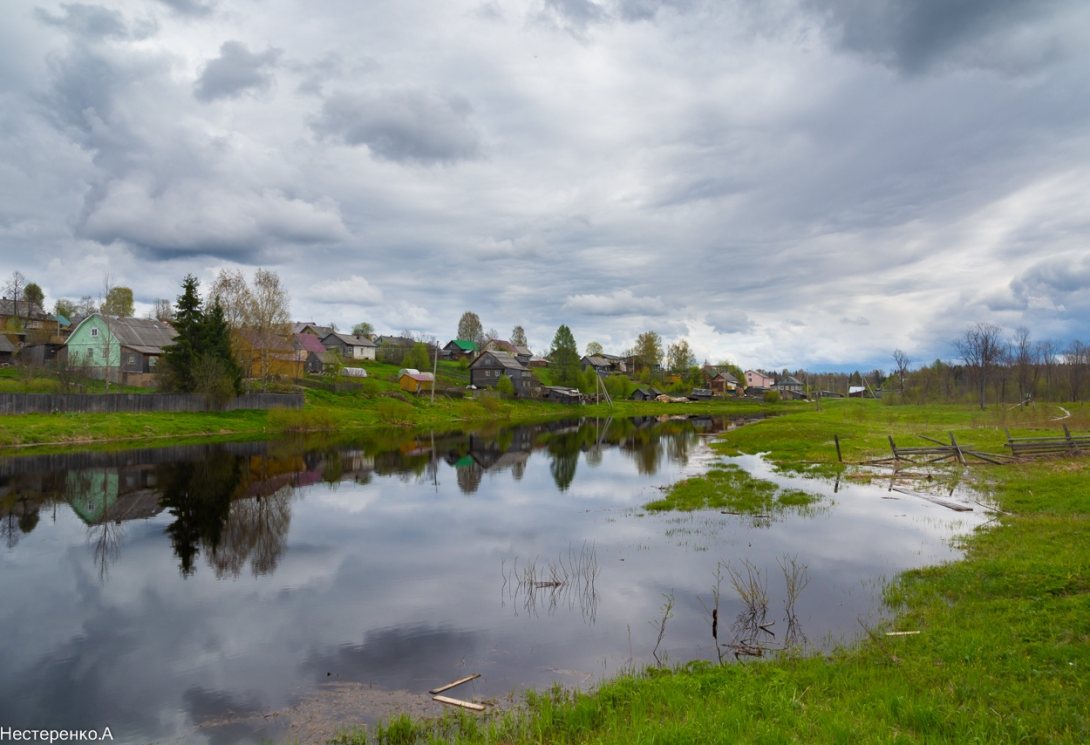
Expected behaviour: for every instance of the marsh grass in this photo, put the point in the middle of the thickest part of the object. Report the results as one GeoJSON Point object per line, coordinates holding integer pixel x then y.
{"type": "Point", "coordinates": [729, 487]}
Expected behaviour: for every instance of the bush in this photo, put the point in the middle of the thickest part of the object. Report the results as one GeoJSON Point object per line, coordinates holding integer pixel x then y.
{"type": "Point", "coordinates": [505, 387]}
{"type": "Point", "coordinates": [772, 397]}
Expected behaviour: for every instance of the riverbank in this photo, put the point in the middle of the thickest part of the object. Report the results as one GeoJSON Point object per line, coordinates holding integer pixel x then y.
{"type": "Point", "coordinates": [329, 412]}
{"type": "Point", "coordinates": [1002, 652]}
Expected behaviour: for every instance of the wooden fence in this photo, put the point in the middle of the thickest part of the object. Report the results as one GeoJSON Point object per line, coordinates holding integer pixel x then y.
{"type": "Point", "coordinates": [70, 403]}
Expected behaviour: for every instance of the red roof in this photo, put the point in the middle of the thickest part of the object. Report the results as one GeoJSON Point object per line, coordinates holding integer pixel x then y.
{"type": "Point", "coordinates": [309, 343]}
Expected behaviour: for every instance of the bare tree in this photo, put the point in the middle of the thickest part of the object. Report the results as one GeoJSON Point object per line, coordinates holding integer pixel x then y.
{"type": "Point", "coordinates": [14, 289]}
{"type": "Point", "coordinates": [164, 310]}
{"type": "Point", "coordinates": [234, 296]}
{"type": "Point", "coordinates": [901, 360]}
{"type": "Point", "coordinates": [981, 348]}
{"type": "Point", "coordinates": [107, 340]}
{"type": "Point", "coordinates": [270, 320]}
{"type": "Point", "coordinates": [1076, 355]}
{"type": "Point", "coordinates": [1026, 371]}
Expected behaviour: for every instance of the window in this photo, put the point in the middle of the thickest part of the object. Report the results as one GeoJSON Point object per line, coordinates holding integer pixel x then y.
{"type": "Point", "coordinates": [94, 332]}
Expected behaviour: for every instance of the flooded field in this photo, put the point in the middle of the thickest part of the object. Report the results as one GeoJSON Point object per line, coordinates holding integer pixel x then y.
{"type": "Point", "coordinates": [257, 591]}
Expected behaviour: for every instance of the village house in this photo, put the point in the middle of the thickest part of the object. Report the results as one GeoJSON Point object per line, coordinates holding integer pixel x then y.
{"type": "Point", "coordinates": [125, 350]}
{"type": "Point", "coordinates": [459, 349]}
{"type": "Point", "coordinates": [789, 387]}
{"type": "Point", "coordinates": [271, 355]}
{"type": "Point", "coordinates": [317, 359]}
{"type": "Point", "coordinates": [26, 323]}
{"type": "Point", "coordinates": [645, 393]}
{"type": "Point", "coordinates": [485, 371]}
{"type": "Point", "coordinates": [350, 347]}
{"type": "Point", "coordinates": [757, 379]}
{"type": "Point", "coordinates": [604, 364]}
{"type": "Point", "coordinates": [719, 380]}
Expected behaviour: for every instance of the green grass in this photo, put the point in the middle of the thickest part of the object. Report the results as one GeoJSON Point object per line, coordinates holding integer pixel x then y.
{"type": "Point", "coordinates": [1003, 653]}
{"type": "Point", "coordinates": [728, 487]}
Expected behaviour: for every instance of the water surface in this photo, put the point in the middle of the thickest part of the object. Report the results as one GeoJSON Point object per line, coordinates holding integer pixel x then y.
{"type": "Point", "coordinates": [188, 592]}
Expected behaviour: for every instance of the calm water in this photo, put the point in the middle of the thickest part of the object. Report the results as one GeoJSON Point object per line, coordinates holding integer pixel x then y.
{"type": "Point", "coordinates": [162, 592]}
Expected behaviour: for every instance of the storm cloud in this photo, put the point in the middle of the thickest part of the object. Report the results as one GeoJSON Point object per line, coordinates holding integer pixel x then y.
{"type": "Point", "coordinates": [236, 71]}
{"type": "Point", "coordinates": [402, 125]}
{"type": "Point", "coordinates": [801, 183]}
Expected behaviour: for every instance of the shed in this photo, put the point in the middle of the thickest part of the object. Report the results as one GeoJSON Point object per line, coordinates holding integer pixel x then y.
{"type": "Point", "coordinates": [416, 382]}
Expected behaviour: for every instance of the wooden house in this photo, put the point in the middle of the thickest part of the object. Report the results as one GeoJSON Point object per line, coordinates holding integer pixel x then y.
{"type": "Point", "coordinates": [317, 359]}
{"type": "Point", "coordinates": [604, 364]}
{"type": "Point", "coordinates": [645, 393]}
{"type": "Point", "coordinates": [485, 371]}
{"type": "Point", "coordinates": [23, 322]}
{"type": "Point", "coordinates": [562, 395]}
{"type": "Point", "coordinates": [350, 347]}
{"type": "Point", "coordinates": [460, 349]}
{"type": "Point", "coordinates": [272, 354]}
{"type": "Point", "coordinates": [123, 350]}
{"type": "Point", "coordinates": [790, 386]}
{"type": "Point", "coordinates": [416, 382]}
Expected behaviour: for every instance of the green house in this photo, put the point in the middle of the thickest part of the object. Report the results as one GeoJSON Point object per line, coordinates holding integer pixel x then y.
{"type": "Point", "coordinates": [124, 349]}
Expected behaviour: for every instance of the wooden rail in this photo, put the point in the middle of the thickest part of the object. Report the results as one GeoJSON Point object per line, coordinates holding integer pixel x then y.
{"type": "Point", "coordinates": [1069, 443]}
{"type": "Point", "coordinates": [940, 451]}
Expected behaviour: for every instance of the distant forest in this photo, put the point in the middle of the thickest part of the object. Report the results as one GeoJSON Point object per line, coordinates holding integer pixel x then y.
{"type": "Point", "coordinates": [993, 367]}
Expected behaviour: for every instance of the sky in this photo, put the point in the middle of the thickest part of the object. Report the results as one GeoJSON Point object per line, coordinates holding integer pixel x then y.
{"type": "Point", "coordinates": [785, 184]}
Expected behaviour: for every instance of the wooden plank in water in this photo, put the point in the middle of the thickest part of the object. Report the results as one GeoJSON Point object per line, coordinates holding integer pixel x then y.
{"type": "Point", "coordinates": [454, 683]}
{"type": "Point", "coordinates": [458, 702]}
{"type": "Point", "coordinates": [955, 506]}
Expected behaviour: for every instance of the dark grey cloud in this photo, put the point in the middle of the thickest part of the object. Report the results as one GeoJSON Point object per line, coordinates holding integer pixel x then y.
{"type": "Point", "coordinates": [730, 321]}
{"type": "Point", "coordinates": [193, 8]}
{"type": "Point", "coordinates": [86, 21]}
{"type": "Point", "coordinates": [1058, 281]}
{"type": "Point", "coordinates": [645, 10]}
{"type": "Point", "coordinates": [402, 125]}
{"type": "Point", "coordinates": [916, 37]}
{"type": "Point", "coordinates": [236, 71]}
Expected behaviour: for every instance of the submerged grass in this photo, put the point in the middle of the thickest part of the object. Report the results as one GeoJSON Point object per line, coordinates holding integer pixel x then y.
{"type": "Point", "coordinates": [1003, 649]}
{"type": "Point", "coordinates": [729, 487]}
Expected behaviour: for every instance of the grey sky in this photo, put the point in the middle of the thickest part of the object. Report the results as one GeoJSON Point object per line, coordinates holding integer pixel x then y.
{"type": "Point", "coordinates": [799, 183]}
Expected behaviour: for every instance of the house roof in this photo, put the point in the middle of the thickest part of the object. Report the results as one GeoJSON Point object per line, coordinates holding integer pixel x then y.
{"type": "Point", "coordinates": [26, 310]}
{"type": "Point", "coordinates": [349, 340]}
{"type": "Point", "coordinates": [789, 380]}
{"type": "Point", "coordinates": [145, 335]}
{"type": "Point", "coordinates": [6, 345]}
{"type": "Point", "coordinates": [506, 360]}
{"type": "Point", "coordinates": [310, 343]}
{"type": "Point", "coordinates": [466, 345]}
{"type": "Point", "coordinates": [300, 327]}
{"type": "Point", "coordinates": [420, 377]}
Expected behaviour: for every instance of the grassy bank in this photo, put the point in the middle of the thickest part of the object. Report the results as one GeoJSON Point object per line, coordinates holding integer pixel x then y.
{"type": "Point", "coordinates": [366, 408]}
{"type": "Point", "coordinates": [1003, 649]}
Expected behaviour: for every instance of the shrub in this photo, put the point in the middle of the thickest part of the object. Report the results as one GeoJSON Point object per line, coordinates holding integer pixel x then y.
{"type": "Point", "coordinates": [772, 397]}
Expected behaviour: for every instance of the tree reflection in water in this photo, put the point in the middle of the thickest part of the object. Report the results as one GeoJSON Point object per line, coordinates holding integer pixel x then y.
{"type": "Point", "coordinates": [236, 509]}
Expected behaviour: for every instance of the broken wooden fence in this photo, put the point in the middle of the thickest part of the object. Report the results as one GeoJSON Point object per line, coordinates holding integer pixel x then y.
{"type": "Point", "coordinates": [1030, 446]}
{"type": "Point", "coordinates": [940, 451]}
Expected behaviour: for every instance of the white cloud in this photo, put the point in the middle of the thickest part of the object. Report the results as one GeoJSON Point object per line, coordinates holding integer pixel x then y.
{"type": "Point", "coordinates": [617, 303]}
{"type": "Point", "coordinates": [353, 290]}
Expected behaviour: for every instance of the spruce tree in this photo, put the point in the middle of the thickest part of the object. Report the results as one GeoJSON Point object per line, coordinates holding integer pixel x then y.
{"type": "Point", "coordinates": [180, 358]}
